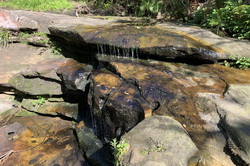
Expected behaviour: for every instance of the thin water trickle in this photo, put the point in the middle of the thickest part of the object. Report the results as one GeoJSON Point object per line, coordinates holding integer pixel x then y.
{"type": "Point", "coordinates": [94, 124]}
{"type": "Point", "coordinates": [132, 53]}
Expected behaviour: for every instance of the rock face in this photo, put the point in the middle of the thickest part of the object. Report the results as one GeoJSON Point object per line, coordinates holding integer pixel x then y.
{"type": "Point", "coordinates": [201, 107]}
{"type": "Point", "coordinates": [156, 42]}
{"type": "Point", "coordinates": [157, 141]}
{"type": "Point", "coordinates": [115, 104]}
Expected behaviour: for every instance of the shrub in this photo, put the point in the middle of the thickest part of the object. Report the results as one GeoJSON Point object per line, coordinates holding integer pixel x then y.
{"type": "Point", "coordinates": [233, 19]}
{"type": "Point", "coordinates": [4, 38]}
{"type": "Point", "coordinates": [119, 149]}
{"type": "Point", "coordinates": [149, 8]}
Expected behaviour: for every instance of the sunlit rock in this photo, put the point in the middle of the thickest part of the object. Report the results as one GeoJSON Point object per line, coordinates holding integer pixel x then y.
{"type": "Point", "coordinates": [149, 41]}
{"type": "Point", "coordinates": [159, 140]}
{"type": "Point", "coordinates": [116, 105]}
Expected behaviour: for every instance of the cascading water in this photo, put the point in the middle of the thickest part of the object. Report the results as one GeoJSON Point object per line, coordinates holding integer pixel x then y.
{"type": "Point", "coordinates": [132, 53]}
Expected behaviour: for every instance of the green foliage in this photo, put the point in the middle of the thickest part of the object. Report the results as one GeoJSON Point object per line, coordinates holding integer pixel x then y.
{"type": "Point", "coordinates": [149, 8]}
{"type": "Point", "coordinates": [37, 5]}
{"type": "Point", "coordinates": [119, 149]}
{"type": "Point", "coordinates": [4, 38]}
{"type": "Point", "coordinates": [56, 50]}
{"type": "Point", "coordinates": [23, 36]}
{"type": "Point", "coordinates": [238, 62]}
{"type": "Point", "coordinates": [233, 19]}
{"type": "Point", "coordinates": [40, 101]}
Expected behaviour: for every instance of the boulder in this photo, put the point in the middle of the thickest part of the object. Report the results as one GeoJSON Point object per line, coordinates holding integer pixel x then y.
{"type": "Point", "coordinates": [159, 140]}
{"type": "Point", "coordinates": [235, 119]}
{"type": "Point", "coordinates": [11, 21]}
{"type": "Point", "coordinates": [233, 111]}
{"type": "Point", "coordinates": [116, 105]}
{"type": "Point", "coordinates": [74, 75]}
{"type": "Point", "coordinates": [213, 149]}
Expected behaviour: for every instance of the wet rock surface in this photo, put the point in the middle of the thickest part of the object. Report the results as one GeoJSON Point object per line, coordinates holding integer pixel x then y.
{"type": "Point", "coordinates": [116, 105]}
{"type": "Point", "coordinates": [59, 108]}
{"type": "Point", "coordinates": [155, 81]}
{"type": "Point", "coordinates": [62, 112]}
{"type": "Point", "coordinates": [39, 141]}
{"type": "Point", "coordinates": [158, 43]}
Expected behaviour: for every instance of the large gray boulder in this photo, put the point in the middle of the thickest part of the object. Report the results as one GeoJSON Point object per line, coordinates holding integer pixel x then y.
{"type": "Point", "coordinates": [161, 141]}
{"type": "Point", "coordinates": [234, 117]}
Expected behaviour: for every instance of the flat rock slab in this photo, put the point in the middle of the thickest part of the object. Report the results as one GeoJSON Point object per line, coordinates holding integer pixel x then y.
{"type": "Point", "coordinates": [17, 57]}
{"type": "Point", "coordinates": [231, 46]}
{"type": "Point", "coordinates": [51, 108]}
{"type": "Point", "coordinates": [39, 141]}
{"type": "Point", "coordinates": [146, 41]}
{"type": "Point", "coordinates": [48, 19]}
{"type": "Point", "coordinates": [51, 77]}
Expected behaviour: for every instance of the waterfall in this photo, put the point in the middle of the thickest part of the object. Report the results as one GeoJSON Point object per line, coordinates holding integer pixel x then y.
{"type": "Point", "coordinates": [132, 52]}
